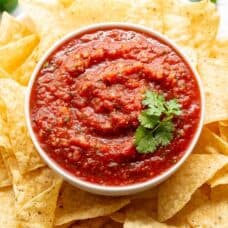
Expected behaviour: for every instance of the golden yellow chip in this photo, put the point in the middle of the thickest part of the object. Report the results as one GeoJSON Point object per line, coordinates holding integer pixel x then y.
{"type": "Point", "coordinates": [203, 14]}
{"type": "Point", "coordinates": [24, 72]}
{"type": "Point", "coordinates": [4, 74]}
{"type": "Point", "coordinates": [40, 211]}
{"type": "Point", "coordinates": [177, 28]}
{"type": "Point", "coordinates": [176, 23]}
{"type": "Point", "coordinates": [180, 219]}
{"type": "Point", "coordinates": [66, 3]}
{"type": "Point", "coordinates": [147, 13]}
{"type": "Point", "coordinates": [223, 129]}
{"type": "Point", "coordinates": [210, 143]}
{"type": "Point", "coordinates": [28, 22]}
{"type": "Point", "coordinates": [36, 194]}
{"type": "Point", "coordinates": [119, 216]}
{"type": "Point", "coordinates": [220, 50]}
{"type": "Point", "coordinates": [191, 53]}
{"type": "Point", "coordinates": [220, 178]}
{"type": "Point", "coordinates": [141, 215]}
{"type": "Point", "coordinates": [213, 213]}
{"type": "Point", "coordinates": [5, 179]}
{"type": "Point", "coordinates": [14, 54]}
{"type": "Point", "coordinates": [86, 13]}
{"type": "Point", "coordinates": [12, 30]}
{"type": "Point", "coordinates": [93, 223]}
{"type": "Point", "coordinates": [214, 127]}
{"type": "Point", "coordinates": [13, 96]}
{"type": "Point", "coordinates": [175, 193]}
{"type": "Point", "coordinates": [7, 212]}
{"type": "Point", "coordinates": [46, 17]}
{"type": "Point", "coordinates": [214, 76]}
{"type": "Point", "coordinates": [184, 20]}
{"type": "Point", "coordinates": [29, 185]}
{"type": "Point", "coordinates": [75, 204]}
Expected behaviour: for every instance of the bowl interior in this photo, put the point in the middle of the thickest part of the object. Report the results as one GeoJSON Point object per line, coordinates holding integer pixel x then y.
{"type": "Point", "coordinates": [95, 188]}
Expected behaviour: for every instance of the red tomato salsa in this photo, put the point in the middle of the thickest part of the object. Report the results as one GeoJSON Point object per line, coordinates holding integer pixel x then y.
{"type": "Point", "coordinates": [88, 95]}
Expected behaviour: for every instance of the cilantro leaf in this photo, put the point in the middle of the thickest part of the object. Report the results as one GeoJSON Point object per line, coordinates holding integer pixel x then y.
{"type": "Point", "coordinates": [144, 142]}
{"type": "Point", "coordinates": [147, 120]}
{"type": "Point", "coordinates": [139, 134]}
{"type": "Point", "coordinates": [173, 108]}
{"type": "Point", "coordinates": [156, 127]}
{"type": "Point", "coordinates": [155, 103]}
{"type": "Point", "coordinates": [164, 133]}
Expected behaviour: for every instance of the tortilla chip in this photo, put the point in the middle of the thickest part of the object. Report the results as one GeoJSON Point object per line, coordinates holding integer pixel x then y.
{"type": "Point", "coordinates": [30, 185]}
{"type": "Point", "coordinates": [141, 215]}
{"type": "Point", "coordinates": [12, 30]}
{"type": "Point", "coordinates": [93, 223]}
{"type": "Point", "coordinates": [184, 20]}
{"type": "Point", "coordinates": [86, 13]}
{"type": "Point", "coordinates": [119, 216]}
{"type": "Point", "coordinates": [174, 194]}
{"type": "Point", "coordinates": [191, 53]}
{"type": "Point", "coordinates": [214, 76]}
{"type": "Point", "coordinates": [40, 211]}
{"type": "Point", "coordinates": [112, 224]}
{"type": "Point", "coordinates": [75, 204]}
{"type": "Point", "coordinates": [4, 74]}
{"type": "Point", "coordinates": [147, 13]}
{"type": "Point", "coordinates": [66, 3]}
{"type": "Point", "coordinates": [214, 127]}
{"type": "Point", "coordinates": [210, 143]}
{"type": "Point", "coordinates": [223, 129]}
{"type": "Point", "coordinates": [203, 14]}
{"type": "Point", "coordinates": [13, 96]}
{"type": "Point", "coordinates": [197, 199]}
{"type": "Point", "coordinates": [220, 178]}
{"type": "Point", "coordinates": [5, 180]}
{"type": "Point", "coordinates": [7, 212]}
{"type": "Point", "coordinates": [177, 28]}
{"type": "Point", "coordinates": [151, 202]}
{"type": "Point", "coordinates": [148, 194]}
{"type": "Point", "coordinates": [24, 72]}
{"type": "Point", "coordinates": [27, 21]}
{"type": "Point", "coordinates": [14, 54]}
{"type": "Point", "coordinates": [46, 16]}
{"type": "Point", "coordinates": [213, 213]}
{"type": "Point", "coordinates": [220, 50]}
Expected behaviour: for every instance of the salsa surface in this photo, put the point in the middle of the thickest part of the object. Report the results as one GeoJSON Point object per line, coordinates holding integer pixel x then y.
{"type": "Point", "coordinates": [87, 97]}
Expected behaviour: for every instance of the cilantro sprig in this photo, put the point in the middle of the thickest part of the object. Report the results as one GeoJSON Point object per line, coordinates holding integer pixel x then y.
{"type": "Point", "coordinates": [156, 127]}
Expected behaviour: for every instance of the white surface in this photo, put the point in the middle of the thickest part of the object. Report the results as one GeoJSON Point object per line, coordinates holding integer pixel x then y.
{"type": "Point", "coordinates": [223, 10]}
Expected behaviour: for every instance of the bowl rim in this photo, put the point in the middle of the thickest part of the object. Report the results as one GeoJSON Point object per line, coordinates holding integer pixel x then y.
{"type": "Point", "coordinates": [103, 189]}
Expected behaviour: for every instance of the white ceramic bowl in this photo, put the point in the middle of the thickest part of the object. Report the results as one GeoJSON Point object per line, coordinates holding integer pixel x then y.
{"type": "Point", "coordinates": [112, 190]}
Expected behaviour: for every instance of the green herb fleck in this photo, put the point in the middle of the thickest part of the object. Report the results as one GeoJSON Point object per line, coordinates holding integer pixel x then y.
{"type": "Point", "coordinates": [214, 1]}
{"type": "Point", "coordinates": [8, 5]}
{"type": "Point", "coordinates": [156, 127]}
{"type": "Point", "coordinates": [46, 64]}
{"type": "Point", "coordinates": [66, 119]}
